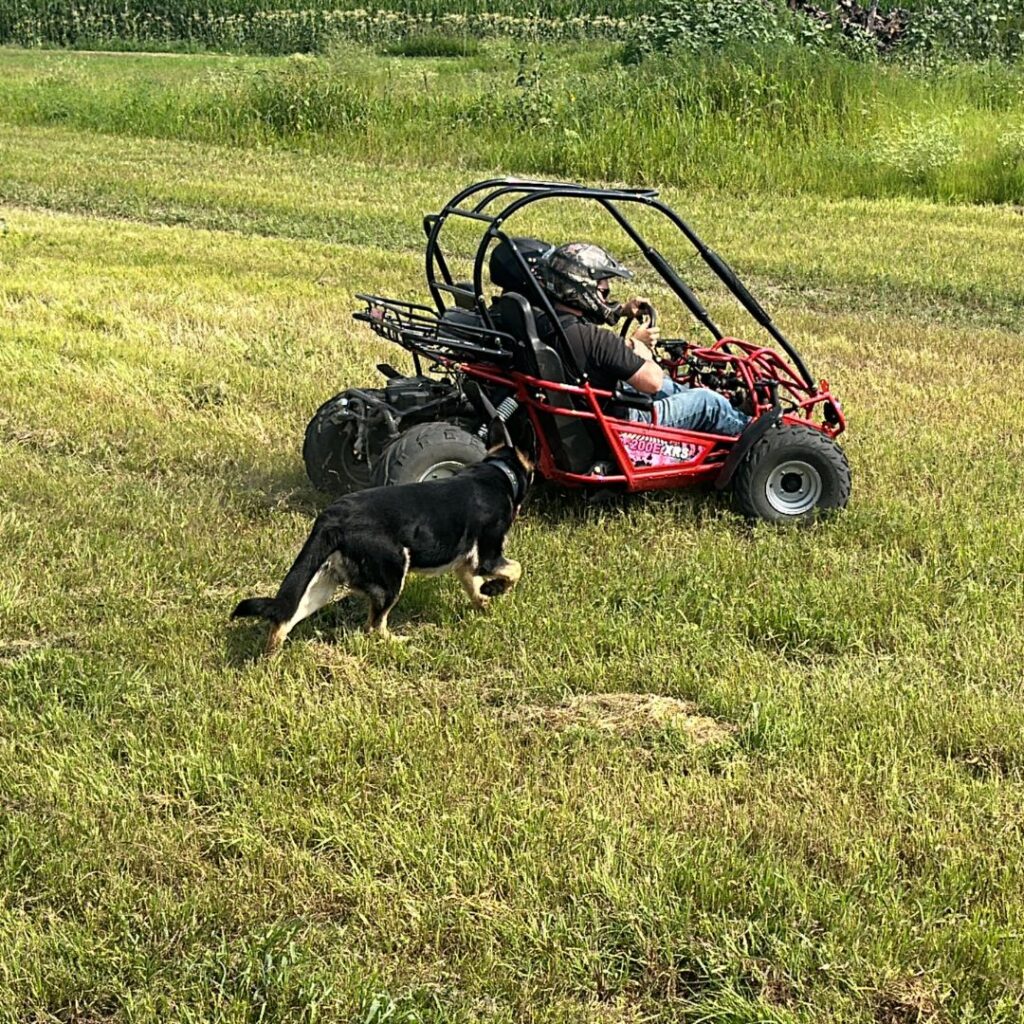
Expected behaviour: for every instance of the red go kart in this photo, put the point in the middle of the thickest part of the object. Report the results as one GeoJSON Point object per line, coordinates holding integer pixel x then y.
{"type": "Point", "coordinates": [474, 360]}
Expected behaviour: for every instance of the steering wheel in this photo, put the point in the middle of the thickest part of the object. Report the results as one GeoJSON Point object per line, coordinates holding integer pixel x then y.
{"type": "Point", "coordinates": [647, 313]}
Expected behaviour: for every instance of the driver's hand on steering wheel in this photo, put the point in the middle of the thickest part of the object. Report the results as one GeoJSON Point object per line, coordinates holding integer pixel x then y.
{"type": "Point", "coordinates": [642, 351]}
{"type": "Point", "coordinates": [642, 339]}
{"type": "Point", "coordinates": [633, 307]}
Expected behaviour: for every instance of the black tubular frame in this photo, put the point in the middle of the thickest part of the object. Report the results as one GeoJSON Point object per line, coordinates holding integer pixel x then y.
{"type": "Point", "coordinates": [522, 192]}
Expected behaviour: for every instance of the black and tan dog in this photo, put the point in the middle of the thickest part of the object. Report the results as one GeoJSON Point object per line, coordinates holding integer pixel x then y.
{"type": "Point", "coordinates": [370, 541]}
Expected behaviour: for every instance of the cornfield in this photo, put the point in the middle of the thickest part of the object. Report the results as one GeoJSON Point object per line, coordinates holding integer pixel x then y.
{"type": "Point", "coordinates": [937, 31]}
{"type": "Point", "coordinates": [257, 27]}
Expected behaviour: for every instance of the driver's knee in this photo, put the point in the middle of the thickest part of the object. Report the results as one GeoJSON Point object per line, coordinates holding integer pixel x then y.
{"type": "Point", "coordinates": [668, 388]}
{"type": "Point", "coordinates": [728, 419]}
{"type": "Point", "coordinates": [703, 410]}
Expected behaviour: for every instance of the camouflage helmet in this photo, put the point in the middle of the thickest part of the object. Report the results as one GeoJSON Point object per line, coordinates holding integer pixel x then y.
{"type": "Point", "coordinates": [570, 275]}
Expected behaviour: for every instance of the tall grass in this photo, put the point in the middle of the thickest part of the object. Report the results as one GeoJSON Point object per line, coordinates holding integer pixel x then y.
{"type": "Point", "coordinates": [747, 120]}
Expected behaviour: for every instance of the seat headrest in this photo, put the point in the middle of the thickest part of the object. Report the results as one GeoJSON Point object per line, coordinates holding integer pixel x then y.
{"type": "Point", "coordinates": [506, 270]}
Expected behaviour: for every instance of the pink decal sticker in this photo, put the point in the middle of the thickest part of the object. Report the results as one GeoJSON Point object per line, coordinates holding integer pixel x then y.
{"type": "Point", "coordinates": [644, 450]}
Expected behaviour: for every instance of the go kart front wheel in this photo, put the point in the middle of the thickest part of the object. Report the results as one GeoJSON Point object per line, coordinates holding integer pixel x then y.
{"type": "Point", "coordinates": [791, 475]}
{"type": "Point", "coordinates": [428, 451]}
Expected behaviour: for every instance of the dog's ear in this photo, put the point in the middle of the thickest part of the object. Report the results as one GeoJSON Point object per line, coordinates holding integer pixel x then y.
{"type": "Point", "coordinates": [523, 438]}
{"type": "Point", "coordinates": [497, 436]}
{"type": "Point", "coordinates": [525, 461]}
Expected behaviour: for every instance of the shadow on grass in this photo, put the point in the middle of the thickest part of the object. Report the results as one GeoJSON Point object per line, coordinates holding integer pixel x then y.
{"type": "Point", "coordinates": [338, 621]}
{"type": "Point", "coordinates": [700, 502]}
{"type": "Point", "coordinates": [245, 639]}
{"type": "Point", "coordinates": [261, 493]}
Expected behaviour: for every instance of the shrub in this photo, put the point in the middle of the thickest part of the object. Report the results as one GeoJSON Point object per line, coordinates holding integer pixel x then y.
{"type": "Point", "coordinates": [980, 30]}
{"type": "Point", "coordinates": [700, 25]}
{"type": "Point", "coordinates": [918, 146]}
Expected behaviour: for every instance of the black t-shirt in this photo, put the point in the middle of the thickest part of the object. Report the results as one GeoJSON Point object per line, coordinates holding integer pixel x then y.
{"type": "Point", "coordinates": [601, 354]}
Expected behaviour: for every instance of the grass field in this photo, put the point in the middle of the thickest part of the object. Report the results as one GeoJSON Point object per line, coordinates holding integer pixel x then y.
{"type": "Point", "coordinates": [372, 832]}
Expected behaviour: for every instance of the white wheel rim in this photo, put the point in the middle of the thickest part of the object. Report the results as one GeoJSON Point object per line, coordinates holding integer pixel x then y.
{"type": "Point", "coordinates": [793, 487]}
{"type": "Point", "coordinates": [442, 470]}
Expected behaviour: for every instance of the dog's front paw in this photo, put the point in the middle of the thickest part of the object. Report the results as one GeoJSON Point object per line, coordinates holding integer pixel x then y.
{"type": "Point", "coordinates": [495, 587]}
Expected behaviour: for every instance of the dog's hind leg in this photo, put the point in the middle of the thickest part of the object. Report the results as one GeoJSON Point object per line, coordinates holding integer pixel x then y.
{"type": "Point", "coordinates": [384, 590]}
{"type": "Point", "coordinates": [319, 591]}
{"type": "Point", "coordinates": [377, 620]}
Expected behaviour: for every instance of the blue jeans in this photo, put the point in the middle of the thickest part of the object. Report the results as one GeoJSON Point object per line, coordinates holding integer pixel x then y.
{"type": "Point", "coordinates": [692, 409]}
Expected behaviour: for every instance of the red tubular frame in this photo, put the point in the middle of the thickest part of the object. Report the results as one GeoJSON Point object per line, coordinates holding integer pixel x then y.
{"type": "Point", "coordinates": [755, 362]}
{"type": "Point", "coordinates": [751, 362]}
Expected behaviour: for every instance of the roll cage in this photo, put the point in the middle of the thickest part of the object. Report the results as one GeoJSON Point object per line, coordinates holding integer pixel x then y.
{"type": "Point", "coordinates": [493, 202]}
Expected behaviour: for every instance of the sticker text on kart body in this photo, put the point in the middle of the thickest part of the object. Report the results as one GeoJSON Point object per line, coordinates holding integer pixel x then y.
{"type": "Point", "coordinates": [644, 450]}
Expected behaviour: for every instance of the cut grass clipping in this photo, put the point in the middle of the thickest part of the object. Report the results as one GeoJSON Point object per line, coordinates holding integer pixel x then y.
{"type": "Point", "coordinates": [628, 714]}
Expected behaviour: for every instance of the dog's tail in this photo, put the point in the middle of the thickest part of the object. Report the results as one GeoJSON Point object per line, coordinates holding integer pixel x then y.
{"type": "Point", "coordinates": [259, 608]}
{"type": "Point", "coordinates": [282, 608]}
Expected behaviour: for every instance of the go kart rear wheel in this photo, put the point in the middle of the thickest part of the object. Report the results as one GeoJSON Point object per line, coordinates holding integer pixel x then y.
{"type": "Point", "coordinates": [428, 451]}
{"type": "Point", "coordinates": [791, 475]}
{"type": "Point", "coordinates": [332, 463]}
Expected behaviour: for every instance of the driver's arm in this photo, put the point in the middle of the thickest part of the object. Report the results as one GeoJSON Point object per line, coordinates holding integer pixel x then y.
{"type": "Point", "coordinates": [648, 379]}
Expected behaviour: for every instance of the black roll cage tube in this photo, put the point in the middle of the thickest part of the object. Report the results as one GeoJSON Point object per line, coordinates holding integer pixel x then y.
{"type": "Point", "coordinates": [531, 191]}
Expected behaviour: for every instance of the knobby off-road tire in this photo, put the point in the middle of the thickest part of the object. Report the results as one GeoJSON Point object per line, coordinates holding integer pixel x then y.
{"type": "Point", "coordinates": [792, 475]}
{"type": "Point", "coordinates": [428, 451]}
{"type": "Point", "coordinates": [328, 452]}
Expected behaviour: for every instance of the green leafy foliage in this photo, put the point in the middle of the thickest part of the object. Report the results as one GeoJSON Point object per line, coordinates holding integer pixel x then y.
{"type": "Point", "coordinates": [435, 44]}
{"type": "Point", "coordinates": [980, 30]}
{"type": "Point", "coordinates": [696, 26]}
{"type": "Point", "coordinates": [934, 32]}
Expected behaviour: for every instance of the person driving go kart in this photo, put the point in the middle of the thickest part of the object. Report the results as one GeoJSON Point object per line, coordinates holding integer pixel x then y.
{"type": "Point", "coordinates": [577, 277]}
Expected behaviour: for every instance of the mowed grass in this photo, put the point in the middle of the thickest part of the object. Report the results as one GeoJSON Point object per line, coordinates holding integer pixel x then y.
{"type": "Point", "coordinates": [364, 831]}
{"type": "Point", "coordinates": [954, 264]}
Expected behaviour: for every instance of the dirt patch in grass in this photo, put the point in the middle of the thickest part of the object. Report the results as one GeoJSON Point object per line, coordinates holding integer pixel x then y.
{"type": "Point", "coordinates": [14, 650]}
{"type": "Point", "coordinates": [986, 762]}
{"type": "Point", "coordinates": [908, 1001]}
{"type": "Point", "coordinates": [627, 714]}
